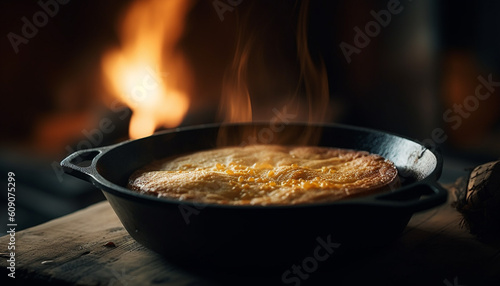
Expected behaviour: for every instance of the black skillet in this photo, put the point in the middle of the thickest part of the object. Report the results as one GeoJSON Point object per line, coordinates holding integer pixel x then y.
{"type": "Point", "coordinates": [238, 236]}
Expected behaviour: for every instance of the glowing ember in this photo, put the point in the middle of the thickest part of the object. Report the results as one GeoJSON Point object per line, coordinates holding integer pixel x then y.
{"type": "Point", "coordinates": [149, 34]}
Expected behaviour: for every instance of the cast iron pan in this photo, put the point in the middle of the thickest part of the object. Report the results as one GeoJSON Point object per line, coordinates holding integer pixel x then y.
{"type": "Point", "coordinates": [264, 236]}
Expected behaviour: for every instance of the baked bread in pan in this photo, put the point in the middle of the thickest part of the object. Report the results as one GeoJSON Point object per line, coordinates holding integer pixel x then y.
{"type": "Point", "coordinates": [267, 175]}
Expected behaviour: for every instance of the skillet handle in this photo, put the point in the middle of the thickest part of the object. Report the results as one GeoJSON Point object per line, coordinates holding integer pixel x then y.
{"type": "Point", "coordinates": [415, 199]}
{"type": "Point", "coordinates": [82, 163]}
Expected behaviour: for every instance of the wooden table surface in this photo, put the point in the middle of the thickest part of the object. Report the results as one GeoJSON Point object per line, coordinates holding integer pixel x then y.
{"type": "Point", "coordinates": [91, 247]}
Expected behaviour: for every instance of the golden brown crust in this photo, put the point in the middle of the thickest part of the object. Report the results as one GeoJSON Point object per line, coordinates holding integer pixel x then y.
{"type": "Point", "coordinates": [267, 175]}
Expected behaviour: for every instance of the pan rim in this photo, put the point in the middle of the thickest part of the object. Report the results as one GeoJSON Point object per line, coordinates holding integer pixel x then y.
{"type": "Point", "coordinates": [105, 185]}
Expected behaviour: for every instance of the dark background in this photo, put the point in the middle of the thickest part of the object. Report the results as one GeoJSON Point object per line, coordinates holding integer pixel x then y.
{"type": "Point", "coordinates": [426, 60]}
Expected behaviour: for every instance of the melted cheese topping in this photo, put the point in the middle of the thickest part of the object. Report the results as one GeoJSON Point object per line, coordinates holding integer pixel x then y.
{"type": "Point", "coordinates": [267, 175]}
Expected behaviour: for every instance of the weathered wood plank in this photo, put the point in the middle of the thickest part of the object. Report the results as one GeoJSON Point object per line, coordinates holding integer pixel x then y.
{"type": "Point", "coordinates": [75, 249]}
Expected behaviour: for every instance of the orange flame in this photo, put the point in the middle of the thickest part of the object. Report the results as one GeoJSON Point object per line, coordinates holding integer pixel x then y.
{"type": "Point", "coordinates": [313, 76]}
{"type": "Point", "coordinates": [236, 105]}
{"type": "Point", "coordinates": [138, 72]}
{"type": "Point", "coordinates": [309, 100]}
